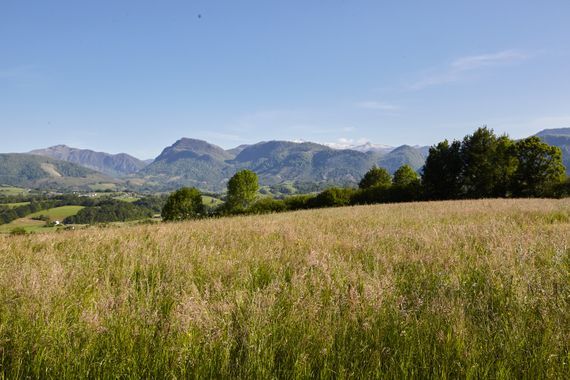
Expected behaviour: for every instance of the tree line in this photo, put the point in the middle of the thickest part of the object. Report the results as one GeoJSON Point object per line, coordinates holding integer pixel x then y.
{"type": "Point", "coordinates": [482, 165]}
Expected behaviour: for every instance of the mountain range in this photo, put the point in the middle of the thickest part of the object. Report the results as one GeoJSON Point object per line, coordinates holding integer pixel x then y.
{"type": "Point", "coordinates": [28, 170]}
{"type": "Point", "coordinates": [114, 165]}
{"type": "Point", "coordinates": [191, 162]}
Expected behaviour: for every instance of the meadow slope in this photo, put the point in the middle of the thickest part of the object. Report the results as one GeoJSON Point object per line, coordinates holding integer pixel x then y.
{"type": "Point", "coordinates": [440, 289]}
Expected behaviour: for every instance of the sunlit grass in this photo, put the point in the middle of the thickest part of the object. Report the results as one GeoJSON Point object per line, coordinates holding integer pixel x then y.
{"type": "Point", "coordinates": [443, 289]}
{"type": "Point", "coordinates": [59, 213]}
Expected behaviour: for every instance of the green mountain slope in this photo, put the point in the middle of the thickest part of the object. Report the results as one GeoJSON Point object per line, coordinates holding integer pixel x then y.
{"type": "Point", "coordinates": [33, 171]}
{"type": "Point", "coordinates": [115, 165]}
{"type": "Point", "coordinates": [190, 162]}
{"type": "Point", "coordinates": [279, 161]}
{"type": "Point", "coordinates": [405, 154]}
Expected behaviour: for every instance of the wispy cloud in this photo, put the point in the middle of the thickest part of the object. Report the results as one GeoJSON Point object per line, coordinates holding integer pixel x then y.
{"type": "Point", "coordinates": [375, 105]}
{"type": "Point", "coordinates": [460, 67]}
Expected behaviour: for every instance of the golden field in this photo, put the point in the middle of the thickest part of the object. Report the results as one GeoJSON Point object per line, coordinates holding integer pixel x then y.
{"type": "Point", "coordinates": [459, 289]}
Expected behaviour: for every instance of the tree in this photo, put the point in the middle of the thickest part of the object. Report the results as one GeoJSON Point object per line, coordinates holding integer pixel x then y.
{"type": "Point", "coordinates": [479, 174]}
{"type": "Point", "coordinates": [185, 203]}
{"type": "Point", "coordinates": [406, 186]}
{"type": "Point", "coordinates": [539, 167]}
{"type": "Point", "coordinates": [505, 163]}
{"type": "Point", "coordinates": [242, 189]}
{"type": "Point", "coordinates": [405, 176]}
{"type": "Point", "coordinates": [488, 164]}
{"type": "Point", "coordinates": [375, 177]}
{"type": "Point", "coordinates": [441, 174]}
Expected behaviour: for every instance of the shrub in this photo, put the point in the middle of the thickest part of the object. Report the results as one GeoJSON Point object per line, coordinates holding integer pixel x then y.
{"type": "Point", "coordinates": [332, 197]}
{"type": "Point", "coordinates": [298, 202]}
{"type": "Point", "coordinates": [185, 203]}
{"type": "Point", "coordinates": [267, 205]}
{"type": "Point", "coordinates": [18, 231]}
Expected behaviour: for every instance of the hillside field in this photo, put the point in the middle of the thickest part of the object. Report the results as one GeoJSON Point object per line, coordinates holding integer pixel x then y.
{"type": "Point", "coordinates": [58, 213]}
{"type": "Point", "coordinates": [32, 225]}
{"type": "Point", "coordinates": [424, 290]}
{"type": "Point", "coordinates": [11, 190]}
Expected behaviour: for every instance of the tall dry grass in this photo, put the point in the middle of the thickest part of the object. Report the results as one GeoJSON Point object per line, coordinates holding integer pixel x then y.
{"type": "Point", "coordinates": [426, 290]}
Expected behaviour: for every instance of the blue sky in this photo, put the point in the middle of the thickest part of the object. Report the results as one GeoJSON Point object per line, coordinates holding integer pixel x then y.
{"type": "Point", "coordinates": [135, 76]}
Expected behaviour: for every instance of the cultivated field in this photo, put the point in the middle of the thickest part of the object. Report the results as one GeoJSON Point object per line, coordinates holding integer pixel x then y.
{"type": "Point", "coordinates": [443, 289]}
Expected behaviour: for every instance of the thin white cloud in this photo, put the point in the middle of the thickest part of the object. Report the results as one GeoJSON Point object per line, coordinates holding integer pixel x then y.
{"type": "Point", "coordinates": [476, 61]}
{"type": "Point", "coordinates": [375, 105]}
{"type": "Point", "coordinates": [458, 68]}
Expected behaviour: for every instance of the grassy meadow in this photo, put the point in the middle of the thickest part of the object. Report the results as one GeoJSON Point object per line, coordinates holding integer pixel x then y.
{"type": "Point", "coordinates": [461, 289]}
{"type": "Point", "coordinates": [31, 225]}
{"type": "Point", "coordinates": [57, 213]}
{"type": "Point", "coordinates": [11, 190]}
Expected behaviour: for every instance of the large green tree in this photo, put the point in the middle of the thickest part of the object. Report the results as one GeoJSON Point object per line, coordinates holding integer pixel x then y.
{"type": "Point", "coordinates": [405, 176]}
{"type": "Point", "coordinates": [478, 155]}
{"type": "Point", "coordinates": [185, 203]}
{"type": "Point", "coordinates": [488, 164]}
{"type": "Point", "coordinates": [505, 163]}
{"type": "Point", "coordinates": [441, 174]}
{"type": "Point", "coordinates": [242, 189]}
{"type": "Point", "coordinates": [375, 177]}
{"type": "Point", "coordinates": [539, 167]}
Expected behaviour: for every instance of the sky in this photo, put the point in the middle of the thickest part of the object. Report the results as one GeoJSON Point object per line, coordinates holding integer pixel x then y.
{"type": "Point", "coordinates": [134, 76]}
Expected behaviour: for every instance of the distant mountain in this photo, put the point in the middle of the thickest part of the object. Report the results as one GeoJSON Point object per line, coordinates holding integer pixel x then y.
{"type": "Point", "coordinates": [235, 151]}
{"type": "Point", "coordinates": [279, 161]}
{"type": "Point", "coordinates": [114, 165]}
{"type": "Point", "coordinates": [405, 154]}
{"type": "Point", "coordinates": [554, 132]}
{"type": "Point", "coordinates": [34, 171]}
{"type": "Point", "coordinates": [192, 148]}
{"type": "Point", "coordinates": [559, 137]}
{"type": "Point", "coordinates": [190, 162]}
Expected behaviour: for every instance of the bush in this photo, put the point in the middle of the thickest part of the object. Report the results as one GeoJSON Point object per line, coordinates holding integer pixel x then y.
{"type": "Point", "coordinates": [377, 194]}
{"type": "Point", "coordinates": [267, 205]}
{"type": "Point", "coordinates": [298, 202]}
{"type": "Point", "coordinates": [332, 197]}
{"type": "Point", "coordinates": [562, 189]}
{"type": "Point", "coordinates": [185, 203]}
{"type": "Point", "coordinates": [18, 231]}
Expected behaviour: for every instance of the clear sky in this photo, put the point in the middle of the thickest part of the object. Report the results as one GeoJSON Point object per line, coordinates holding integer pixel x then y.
{"type": "Point", "coordinates": [135, 76]}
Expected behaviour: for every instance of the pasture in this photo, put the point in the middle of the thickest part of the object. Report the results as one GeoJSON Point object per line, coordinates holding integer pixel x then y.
{"type": "Point", "coordinates": [425, 290]}
{"type": "Point", "coordinates": [29, 224]}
